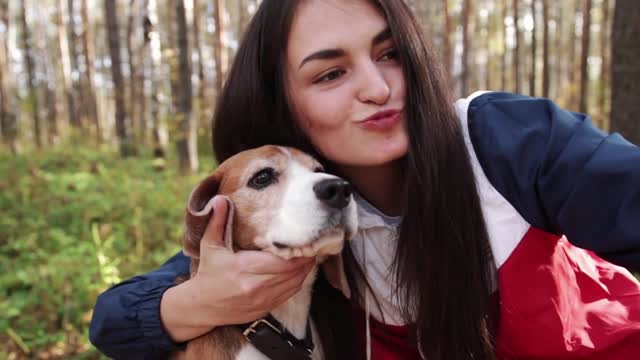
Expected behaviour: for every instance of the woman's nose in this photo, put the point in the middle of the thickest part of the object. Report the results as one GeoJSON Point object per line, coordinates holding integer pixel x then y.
{"type": "Point", "coordinates": [374, 88]}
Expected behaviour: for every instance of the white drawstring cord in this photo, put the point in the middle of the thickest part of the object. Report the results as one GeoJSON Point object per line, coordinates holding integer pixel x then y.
{"type": "Point", "coordinates": [367, 309]}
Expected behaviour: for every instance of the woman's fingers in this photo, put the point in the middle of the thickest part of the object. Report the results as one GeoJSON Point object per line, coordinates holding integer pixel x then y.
{"type": "Point", "coordinates": [214, 234]}
{"type": "Point", "coordinates": [262, 262]}
{"type": "Point", "coordinates": [265, 292]}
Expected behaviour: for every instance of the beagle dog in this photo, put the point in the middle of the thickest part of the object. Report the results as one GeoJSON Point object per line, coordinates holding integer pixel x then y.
{"type": "Point", "coordinates": [281, 202]}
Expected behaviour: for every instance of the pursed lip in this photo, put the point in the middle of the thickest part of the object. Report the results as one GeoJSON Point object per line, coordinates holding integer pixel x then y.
{"type": "Point", "coordinates": [382, 120]}
{"type": "Point", "coordinates": [380, 115]}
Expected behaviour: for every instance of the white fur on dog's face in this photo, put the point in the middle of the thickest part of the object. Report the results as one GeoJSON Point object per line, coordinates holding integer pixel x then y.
{"type": "Point", "coordinates": [283, 208]}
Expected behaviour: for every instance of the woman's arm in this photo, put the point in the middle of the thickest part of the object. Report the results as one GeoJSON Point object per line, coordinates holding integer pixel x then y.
{"type": "Point", "coordinates": [147, 316]}
{"type": "Point", "coordinates": [562, 174]}
{"type": "Point", "coordinates": [126, 319]}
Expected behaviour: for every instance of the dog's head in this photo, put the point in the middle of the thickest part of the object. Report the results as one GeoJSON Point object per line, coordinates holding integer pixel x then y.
{"type": "Point", "coordinates": [279, 201]}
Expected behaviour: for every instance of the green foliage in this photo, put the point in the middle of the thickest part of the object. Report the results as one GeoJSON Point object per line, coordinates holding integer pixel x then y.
{"type": "Point", "coordinates": [75, 221]}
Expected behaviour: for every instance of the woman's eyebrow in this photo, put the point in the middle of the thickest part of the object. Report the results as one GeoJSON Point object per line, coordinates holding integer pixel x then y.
{"type": "Point", "coordinates": [328, 54]}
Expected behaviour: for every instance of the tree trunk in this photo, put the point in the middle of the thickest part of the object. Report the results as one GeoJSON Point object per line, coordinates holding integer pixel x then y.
{"type": "Point", "coordinates": [503, 68]}
{"type": "Point", "coordinates": [218, 46]}
{"type": "Point", "coordinates": [586, 42]}
{"type": "Point", "coordinates": [50, 102]}
{"type": "Point", "coordinates": [605, 39]}
{"type": "Point", "coordinates": [89, 59]}
{"type": "Point", "coordinates": [186, 141]}
{"type": "Point", "coordinates": [158, 130]}
{"type": "Point", "coordinates": [170, 50]}
{"type": "Point", "coordinates": [31, 76]}
{"type": "Point", "coordinates": [126, 143]}
{"type": "Point", "coordinates": [489, 30]}
{"type": "Point", "coordinates": [50, 66]}
{"type": "Point", "coordinates": [63, 44]}
{"type": "Point", "coordinates": [202, 101]}
{"type": "Point", "coordinates": [559, 54]}
{"type": "Point", "coordinates": [516, 51]}
{"type": "Point", "coordinates": [545, 48]}
{"type": "Point", "coordinates": [132, 91]}
{"type": "Point", "coordinates": [75, 68]}
{"type": "Point", "coordinates": [242, 17]}
{"type": "Point", "coordinates": [573, 39]}
{"type": "Point", "coordinates": [446, 40]}
{"type": "Point", "coordinates": [534, 40]}
{"type": "Point", "coordinates": [143, 77]}
{"type": "Point", "coordinates": [465, 47]}
{"type": "Point", "coordinates": [625, 75]}
{"type": "Point", "coordinates": [8, 124]}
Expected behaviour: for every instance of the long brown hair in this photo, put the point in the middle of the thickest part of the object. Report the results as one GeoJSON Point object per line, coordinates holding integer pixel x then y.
{"type": "Point", "coordinates": [442, 260]}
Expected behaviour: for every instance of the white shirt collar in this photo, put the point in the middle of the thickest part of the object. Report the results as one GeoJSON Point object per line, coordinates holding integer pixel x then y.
{"type": "Point", "coordinates": [370, 217]}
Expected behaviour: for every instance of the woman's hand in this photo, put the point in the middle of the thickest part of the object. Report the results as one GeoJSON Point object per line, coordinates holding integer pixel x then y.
{"type": "Point", "coordinates": [229, 288]}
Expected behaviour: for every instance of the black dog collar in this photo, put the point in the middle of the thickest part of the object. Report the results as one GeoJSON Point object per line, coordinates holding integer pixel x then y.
{"type": "Point", "coordinates": [273, 340]}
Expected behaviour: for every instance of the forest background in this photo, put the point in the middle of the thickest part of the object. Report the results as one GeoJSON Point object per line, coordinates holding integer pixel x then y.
{"type": "Point", "coordinates": [105, 110]}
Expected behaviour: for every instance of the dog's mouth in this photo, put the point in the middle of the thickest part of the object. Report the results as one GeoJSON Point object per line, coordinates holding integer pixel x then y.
{"type": "Point", "coordinates": [328, 241]}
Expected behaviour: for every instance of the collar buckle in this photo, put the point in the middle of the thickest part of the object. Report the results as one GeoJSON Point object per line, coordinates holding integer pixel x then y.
{"type": "Point", "coordinates": [252, 328]}
{"type": "Point", "coordinates": [273, 340]}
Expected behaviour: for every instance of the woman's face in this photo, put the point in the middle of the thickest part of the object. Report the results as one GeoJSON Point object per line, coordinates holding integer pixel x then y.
{"type": "Point", "coordinates": [345, 83]}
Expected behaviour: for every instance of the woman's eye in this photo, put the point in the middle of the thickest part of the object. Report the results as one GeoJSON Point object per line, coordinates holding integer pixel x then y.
{"type": "Point", "coordinates": [389, 55]}
{"type": "Point", "coordinates": [330, 76]}
{"type": "Point", "coordinates": [262, 179]}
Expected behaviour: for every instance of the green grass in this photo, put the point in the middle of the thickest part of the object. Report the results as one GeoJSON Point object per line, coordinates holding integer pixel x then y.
{"type": "Point", "coordinates": [75, 221]}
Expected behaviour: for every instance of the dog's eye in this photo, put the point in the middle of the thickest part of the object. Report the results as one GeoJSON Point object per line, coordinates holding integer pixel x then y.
{"type": "Point", "coordinates": [262, 179]}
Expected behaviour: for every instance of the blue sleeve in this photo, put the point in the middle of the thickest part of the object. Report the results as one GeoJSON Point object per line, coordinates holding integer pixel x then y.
{"type": "Point", "coordinates": [126, 318]}
{"type": "Point", "coordinates": [562, 174]}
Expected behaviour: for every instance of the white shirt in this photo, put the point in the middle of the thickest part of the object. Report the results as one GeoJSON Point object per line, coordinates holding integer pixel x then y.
{"type": "Point", "coordinates": [374, 248]}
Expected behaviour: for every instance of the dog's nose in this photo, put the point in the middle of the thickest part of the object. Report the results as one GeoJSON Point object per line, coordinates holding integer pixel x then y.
{"type": "Point", "coordinates": [333, 192]}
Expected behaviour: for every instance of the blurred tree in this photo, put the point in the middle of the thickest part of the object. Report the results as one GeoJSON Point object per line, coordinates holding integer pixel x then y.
{"type": "Point", "coordinates": [202, 109]}
{"type": "Point", "coordinates": [503, 67]}
{"type": "Point", "coordinates": [79, 120]}
{"type": "Point", "coordinates": [32, 82]}
{"type": "Point", "coordinates": [151, 42]}
{"type": "Point", "coordinates": [219, 51]}
{"type": "Point", "coordinates": [142, 74]}
{"type": "Point", "coordinates": [534, 48]}
{"type": "Point", "coordinates": [446, 40]}
{"type": "Point", "coordinates": [123, 133]}
{"type": "Point", "coordinates": [545, 48]}
{"type": "Point", "coordinates": [8, 118]}
{"type": "Point", "coordinates": [571, 64]}
{"type": "Point", "coordinates": [50, 95]}
{"type": "Point", "coordinates": [186, 138]}
{"type": "Point", "coordinates": [559, 53]}
{"type": "Point", "coordinates": [65, 63]}
{"type": "Point", "coordinates": [605, 76]}
{"type": "Point", "coordinates": [516, 50]}
{"type": "Point", "coordinates": [584, 57]}
{"type": "Point", "coordinates": [466, 47]}
{"type": "Point", "coordinates": [132, 102]}
{"type": "Point", "coordinates": [625, 77]}
{"type": "Point", "coordinates": [88, 53]}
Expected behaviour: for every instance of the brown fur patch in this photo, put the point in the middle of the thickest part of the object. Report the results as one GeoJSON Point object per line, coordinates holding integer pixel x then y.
{"type": "Point", "coordinates": [224, 343]}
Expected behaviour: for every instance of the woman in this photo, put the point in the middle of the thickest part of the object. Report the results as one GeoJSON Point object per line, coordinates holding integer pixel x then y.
{"type": "Point", "coordinates": [457, 202]}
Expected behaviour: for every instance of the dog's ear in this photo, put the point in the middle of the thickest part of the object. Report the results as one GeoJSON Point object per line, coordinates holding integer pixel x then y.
{"type": "Point", "coordinates": [333, 267]}
{"type": "Point", "coordinates": [228, 229]}
{"type": "Point", "coordinates": [198, 213]}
